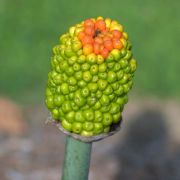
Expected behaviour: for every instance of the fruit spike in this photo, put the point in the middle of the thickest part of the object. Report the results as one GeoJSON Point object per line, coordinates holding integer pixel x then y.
{"type": "Point", "coordinates": [91, 73]}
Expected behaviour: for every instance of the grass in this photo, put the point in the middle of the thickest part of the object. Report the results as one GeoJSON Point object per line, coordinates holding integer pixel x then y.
{"type": "Point", "coordinates": [29, 30]}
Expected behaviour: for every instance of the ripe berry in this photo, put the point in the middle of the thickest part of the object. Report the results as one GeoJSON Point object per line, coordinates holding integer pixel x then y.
{"type": "Point", "coordinates": [100, 24]}
{"type": "Point", "coordinates": [89, 23]}
{"type": "Point", "coordinates": [108, 45]}
{"type": "Point", "coordinates": [89, 31]}
{"type": "Point", "coordinates": [104, 52]}
{"type": "Point", "coordinates": [87, 49]}
{"type": "Point", "coordinates": [116, 34]}
{"type": "Point", "coordinates": [117, 44]}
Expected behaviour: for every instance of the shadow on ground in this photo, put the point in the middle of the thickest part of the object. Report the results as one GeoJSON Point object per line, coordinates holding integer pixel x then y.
{"type": "Point", "coordinates": [146, 152]}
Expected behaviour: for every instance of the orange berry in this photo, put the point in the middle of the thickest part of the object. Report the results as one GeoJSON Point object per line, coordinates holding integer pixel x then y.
{"type": "Point", "coordinates": [87, 40]}
{"type": "Point", "coordinates": [98, 40]}
{"type": "Point", "coordinates": [108, 45]}
{"type": "Point", "coordinates": [89, 22]}
{"type": "Point", "coordinates": [106, 38]}
{"type": "Point", "coordinates": [101, 47]}
{"type": "Point", "coordinates": [117, 44]}
{"type": "Point", "coordinates": [105, 31]}
{"type": "Point", "coordinates": [81, 35]}
{"type": "Point", "coordinates": [116, 34]}
{"type": "Point", "coordinates": [89, 31]}
{"type": "Point", "coordinates": [96, 48]}
{"type": "Point", "coordinates": [109, 35]}
{"type": "Point", "coordinates": [87, 49]}
{"type": "Point", "coordinates": [100, 24]}
{"type": "Point", "coordinates": [104, 53]}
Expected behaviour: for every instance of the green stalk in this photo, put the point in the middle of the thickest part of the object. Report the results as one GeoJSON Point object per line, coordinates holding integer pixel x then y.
{"type": "Point", "coordinates": [77, 159]}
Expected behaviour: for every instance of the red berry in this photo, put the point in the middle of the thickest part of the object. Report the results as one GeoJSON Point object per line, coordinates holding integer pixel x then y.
{"type": "Point", "coordinates": [87, 40]}
{"type": "Point", "coordinates": [108, 45]}
{"type": "Point", "coordinates": [117, 44]}
{"type": "Point", "coordinates": [96, 48]}
{"type": "Point", "coordinates": [106, 38]}
{"type": "Point", "coordinates": [98, 40]}
{"type": "Point", "coordinates": [100, 24]}
{"type": "Point", "coordinates": [89, 31]}
{"type": "Point", "coordinates": [104, 53]}
{"type": "Point", "coordinates": [116, 34]}
{"type": "Point", "coordinates": [89, 22]}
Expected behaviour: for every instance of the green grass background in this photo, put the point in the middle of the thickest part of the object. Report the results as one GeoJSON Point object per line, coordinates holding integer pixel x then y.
{"type": "Point", "coordinates": [29, 30]}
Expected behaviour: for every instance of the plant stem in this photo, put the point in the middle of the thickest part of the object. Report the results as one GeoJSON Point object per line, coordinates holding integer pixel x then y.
{"type": "Point", "coordinates": [77, 159]}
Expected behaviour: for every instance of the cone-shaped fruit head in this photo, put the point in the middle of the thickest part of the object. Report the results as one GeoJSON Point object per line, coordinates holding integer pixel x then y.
{"type": "Point", "coordinates": [91, 73]}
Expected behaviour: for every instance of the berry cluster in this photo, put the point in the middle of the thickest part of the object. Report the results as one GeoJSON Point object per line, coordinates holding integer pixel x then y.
{"type": "Point", "coordinates": [101, 39]}
{"type": "Point", "coordinates": [87, 87]}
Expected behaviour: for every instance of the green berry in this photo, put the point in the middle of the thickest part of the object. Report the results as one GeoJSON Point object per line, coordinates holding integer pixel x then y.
{"type": "Point", "coordinates": [76, 67]}
{"type": "Point", "coordinates": [88, 115]}
{"type": "Point", "coordinates": [102, 67]}
{"type": "Point", "coordinates": [93, 87]}
{"type": "Point", "coordinates": [82, 83]}
{"type": "Point", "coordinates": [114, 108]}
{"type": "Point", "coordinates": [50, 102]}
{"type": "Point", "coordinates": [81, 59]}
{"type": "Point", "coordinates": [100, 59]}
{"type": "Point", "coordinates": [87, 76]}
{"type": "Point", "coordinates": [98, 94]}
{"type": "Point", "coordinates": [72, 60]}
{"type": "Point", "coordinates": [102, 84]}
{"type": "Point", "coordinates": [88, 126]}
{"type": "Point", "coordinates": [108, 90]}
{"type": "Point", "coordinates": [91, 58]}
{"type": "Point", "coordinates": [55, 113]}
{"type": "Point", "coordinates": [116, 54]}
{"type": "Point", "coordinates": [72, 81]}
{"type": "Point", "coordinates": [66, 125]}
{"type": "Point", "coordinates": [104, 100]}
{"type": "Point", "coordinates": [79, 100]}
{"type": "Point", "coordinates": [65, 88]}
{"type": "Point", "coordinates": [97, 105]}
{"type": "Point", "coordinates": [66, 106]}
{"type": "Point", "coordinates": [78, 75]}
{"type": "Point", "coordinates": [111, 77]}
{"type": "Point", "coordinates": [85, 67]}
{"type": "Point", "coordinates": [72, 88]}
{"type": "Point", "coordinates": [107, 119]}
{"type": "Point", "coordinates": [94, 69]}
{"type": "Point", "coordinates": [64, 66]}
{"type": "Point", "coordinates": [123, 63]}
{"type": "Point", "coordinates": [106, 129]}
{"type": "Point", "coordinates": [103, 75]}
{"type": "Point", "coordinates": [79, 116]}
{"type": "Point", "coordinates": [105, 108]}
{"type": "Point", "coordinates": [85, 92]}
{"type": "Point", "coordinates": [98, 128]}
{"type": "Point", "coordinates": [91, 100]}
{"type": "Point", "coordinates": [77, 127]}
{"type": "Point", "coordinates": [58, 100]}
{"type": "Point", "coordinates": [86, 133]}
{"type": "Point", "coordinates": [116, 117]}
{"type": "Point", "coordinates": [76, 46]}
{"type": "Point", "coordinates": [70, 116]}
{"type": "Point", "coordinates": [98, 116]}
{"type": "Point", "coordinates": [119, 74]}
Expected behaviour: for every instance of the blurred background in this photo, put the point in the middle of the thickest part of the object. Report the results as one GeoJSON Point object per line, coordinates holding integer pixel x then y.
{"type": "Point", "coordinates": [148, 145]}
